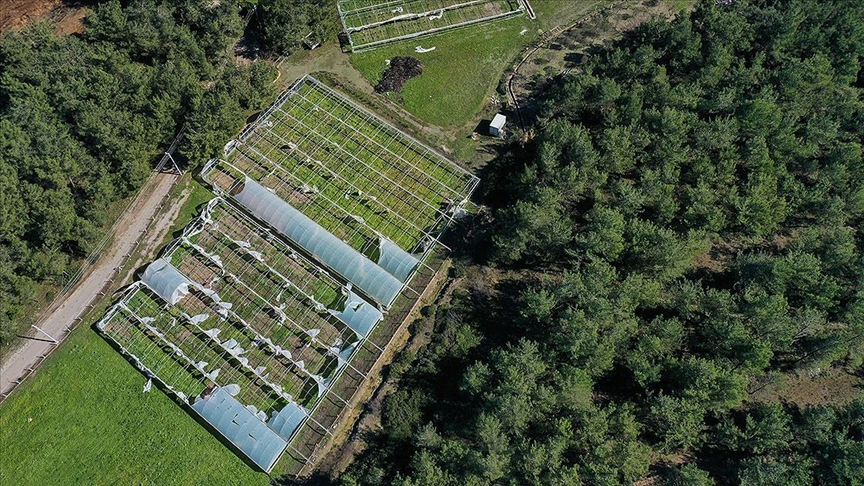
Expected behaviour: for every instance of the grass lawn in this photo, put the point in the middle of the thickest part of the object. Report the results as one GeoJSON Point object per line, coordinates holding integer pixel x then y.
{"type": "Point", "coordinates": [463, 71]}
{"type": "Point", "coordinates": [459, 75]}
{"type": "Point", "coordinates": [83, 419]}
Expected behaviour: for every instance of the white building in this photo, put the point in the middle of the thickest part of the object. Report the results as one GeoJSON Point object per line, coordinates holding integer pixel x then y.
{"type": "Point", "coordinates": [496, 128]}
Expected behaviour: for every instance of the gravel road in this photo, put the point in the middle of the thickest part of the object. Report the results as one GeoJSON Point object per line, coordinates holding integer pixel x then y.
{"type": "Point", "coordinates": [129, 230]}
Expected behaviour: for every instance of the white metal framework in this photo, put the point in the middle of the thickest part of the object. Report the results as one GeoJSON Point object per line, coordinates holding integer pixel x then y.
{"type": "Point", "coordinates": [374, 188]}
{"type": "Point", "coordinates": [230, 306]}
{"type": "Point", "coordinates": [268, 312]}
{"type": "Point", "coordinates": [373, 23]}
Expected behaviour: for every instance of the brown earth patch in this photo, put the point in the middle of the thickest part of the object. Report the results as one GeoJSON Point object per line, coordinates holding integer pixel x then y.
{"type": "Point", "coordinates": [66, 15]}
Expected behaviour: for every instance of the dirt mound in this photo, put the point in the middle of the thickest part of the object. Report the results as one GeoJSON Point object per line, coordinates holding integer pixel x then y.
{"type": "Point", "coordinates": [401, 69]}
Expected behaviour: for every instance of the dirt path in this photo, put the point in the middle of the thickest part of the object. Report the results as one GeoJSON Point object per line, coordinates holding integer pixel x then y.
{"type": "Point", "coordinates": [130, 228]}
{"type": "Point", "coordinates": [560, 49]}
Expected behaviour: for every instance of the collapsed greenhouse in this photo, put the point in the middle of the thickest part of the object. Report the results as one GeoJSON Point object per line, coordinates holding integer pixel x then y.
{"type": "Point", "coordinates": [270, 310]}
{"type": "Point", "coordinates": [368, 24]}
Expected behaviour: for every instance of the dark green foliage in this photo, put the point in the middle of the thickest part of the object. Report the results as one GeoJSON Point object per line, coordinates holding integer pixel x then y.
{"type": "Point", "coordinates": [284, 24]}
{"type": "Point", "coordinates": [690, 220]}
{"type": "Point", "coordinates": [82, 117]}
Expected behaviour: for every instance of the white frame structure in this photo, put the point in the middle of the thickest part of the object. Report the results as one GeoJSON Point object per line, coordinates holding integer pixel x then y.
{"type": "Point", "coordinates": [363, 180]}
{"type": "Point", "coordinates": [373, 23]}
{"type": "Point", "coordinates": [245, 319]}
{"type": "Point", "coordinates": [198, 322]}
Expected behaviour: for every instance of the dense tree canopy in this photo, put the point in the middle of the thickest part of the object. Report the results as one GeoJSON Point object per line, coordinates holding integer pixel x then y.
{"type": "Point", "coordinates": [689, 220]}
{"type": "Point", "coordinates": [82, 117]}
{"type": "Point", "coordinates": [284, 24]}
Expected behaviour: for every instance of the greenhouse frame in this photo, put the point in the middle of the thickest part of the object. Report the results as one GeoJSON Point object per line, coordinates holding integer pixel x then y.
{"type": "Point", "coordinates": [274, 305]}
{"type": "Point", "coordinates": [373, 23]}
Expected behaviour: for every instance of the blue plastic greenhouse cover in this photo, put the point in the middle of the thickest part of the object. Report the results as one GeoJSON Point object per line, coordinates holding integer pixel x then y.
{"type": "Point", "coordinates": [166, 281]}
{"type": "Point", "coordinates": [241, 427]}
{"type": "Point", "coordinates": [327, 248]}
{"type": "Point", "coordinates": [395, 260]}
{"type": "Point", "coordinates": [358, 314]}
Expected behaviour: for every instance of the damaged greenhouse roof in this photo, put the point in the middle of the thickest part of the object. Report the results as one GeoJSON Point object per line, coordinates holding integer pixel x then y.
{"type": "Point", "coordinates": [262, 316]}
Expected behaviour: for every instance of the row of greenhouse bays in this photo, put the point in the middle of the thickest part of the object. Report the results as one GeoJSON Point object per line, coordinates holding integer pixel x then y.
{"type": "Point", "coordinates": [406, 156]}
{"type": "Point", "coordinates": [344, 183]}
{"type": "Point", "coordinates": [198, 346]}
{"type": "Point", "coordinates": [392, 30]}
{"type": "Point", "coordinates": [326, 327]}
{"type": "Point", "coordinates": [332, 208]}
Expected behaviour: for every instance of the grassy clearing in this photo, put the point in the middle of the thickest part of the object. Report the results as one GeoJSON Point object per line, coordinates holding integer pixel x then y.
{"type": "Point", "coordinates": [461, 73]}
{"type": "Point", "coordinates": [460, 76]}
{"type": "Point", "coordinates": [84, 420]}
{"type": "Point", "coordinates": [359, 14]}
{"type": "Point", "coordinates": [199, 195]}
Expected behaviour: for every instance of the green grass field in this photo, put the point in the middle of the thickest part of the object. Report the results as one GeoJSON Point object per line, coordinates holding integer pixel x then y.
{"type": "Point", "coordinates": [463, 71]}
{"type": "Point", "coordinates": [459, 75]}
{"type": "Point", "coordinates": [83, 419]}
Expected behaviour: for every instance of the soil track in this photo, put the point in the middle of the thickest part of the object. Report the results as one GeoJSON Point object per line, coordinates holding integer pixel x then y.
{"type": "Point", "coordinates": [130, 229]}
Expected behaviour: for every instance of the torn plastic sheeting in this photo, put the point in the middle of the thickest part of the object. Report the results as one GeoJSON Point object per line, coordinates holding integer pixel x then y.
{"type": "Point", "coordinates": [166, 281]}
{"type": "Point", "coordinates": [342, 357]}
{"type": "Point", "coordinates": [209, 293]}
{"type": "Point", "coordinates": [213, 333]}
{"type": "Point", "coordinates": [395, 260]}
{"type": "Point", "coordinates": [358, 314]}
{"type": "Point", "coordinates": [241, 426]}
{"type": "Point", "coordinates": [213, 375]}
{"type": "Point", "coordinates": [210, 256]}
{"type": "Point", "coordinates": [287, 420]}
{"type": "Point", "coordinates": [326, 247]}
{"type": "Point", "coordinates": [323, 384]}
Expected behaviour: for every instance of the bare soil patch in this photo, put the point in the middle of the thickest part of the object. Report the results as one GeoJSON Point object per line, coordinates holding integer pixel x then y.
{"type": "Point", "coordinates": [402, 68]}
{"type": "Point", "coordinates": [15, 14]}
{"type": "Point", "coordinates": [65, 14]}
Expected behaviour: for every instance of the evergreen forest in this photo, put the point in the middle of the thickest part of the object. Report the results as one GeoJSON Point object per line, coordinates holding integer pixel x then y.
{"type": "Point", "coordinates": [686, 228]}
{"type": "Point", "coordinates": [84, 117]}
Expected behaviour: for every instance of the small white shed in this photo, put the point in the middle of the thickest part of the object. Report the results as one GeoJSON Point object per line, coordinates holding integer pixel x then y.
{"type": "Point", "coordinates": [496, 128]}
